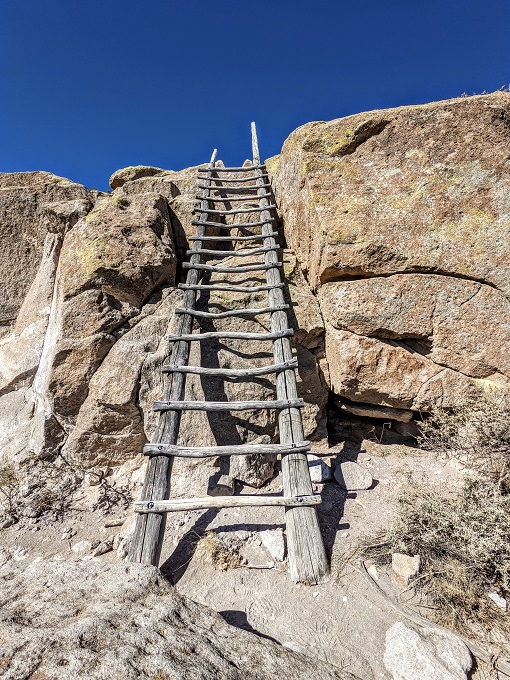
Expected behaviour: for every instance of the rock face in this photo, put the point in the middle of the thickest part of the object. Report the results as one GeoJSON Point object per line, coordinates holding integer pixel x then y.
{"type": "Point", "coordinates": [68, 619]}
{"type": "Point", "coordinates": [435, 654]}
{"type": "Point", "coordinates": [81, 362]}
{"type": "Point", "coordinates": [398, 220]}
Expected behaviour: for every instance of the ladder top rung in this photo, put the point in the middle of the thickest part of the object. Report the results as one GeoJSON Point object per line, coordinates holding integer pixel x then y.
{"type": "Point", "coordinates": [242, 169]}
{"type": "Point", "coordinates": [234, 450]}
{"type": "Point", "coordinates": [277, 404]}
{"type": "Point", "coordinates": [245, 188]}
{"type": "Point", "coordinates": [180, 504]}
{"type": "Point", "coordinates": [230, 180]}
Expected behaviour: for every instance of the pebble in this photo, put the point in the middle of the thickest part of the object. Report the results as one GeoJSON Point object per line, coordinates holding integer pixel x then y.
{"type": "Point", "coordinates": [274, 542]}
{"type": "Point", "coordinates": [498, 601]}
{"type": "Point", "coordinates": [352, 477]}
{"type": "Point", "coordinates": [82, 548]}
{"type": "Point", "coordinates": [67, 534]}
{"type": "Point", "coordinates": [405, 566]}
{"type": "Point", "coordinates": [319, 471]}
{"type": "Point", "coordinates": [7, 523]}
{"type": "Point", "coordinates": [102, 548]}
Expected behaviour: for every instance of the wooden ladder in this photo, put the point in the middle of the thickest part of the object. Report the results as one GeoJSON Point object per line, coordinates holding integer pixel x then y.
{"type": "Point", "coordinates": [307, 558]}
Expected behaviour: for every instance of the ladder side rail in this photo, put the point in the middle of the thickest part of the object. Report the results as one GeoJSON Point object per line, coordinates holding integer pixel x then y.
{"type": "Point", "coordinates": [150, 528]}
{"type": "Point", "coordinates": [308, 562]}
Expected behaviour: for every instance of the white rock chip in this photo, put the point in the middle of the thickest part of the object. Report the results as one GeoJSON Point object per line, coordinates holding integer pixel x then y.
{"type": "Point", "coordinates": [498, 601]}
{"type": "Point", "coordinates": [274, 542]}
{"type": "Point", "coordinates": [82, 548]}
{"type": "Point", "coordinates": [319, 470]}
{"type": "Point", "coordinates": [432, 654]}
{"type": "Point", "coordinates": [352, 477]}
{"type": "Point", "coordinates": [405, 566]}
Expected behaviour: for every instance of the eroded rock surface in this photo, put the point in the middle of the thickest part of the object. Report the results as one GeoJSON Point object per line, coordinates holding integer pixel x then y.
{"type": "Point", "coordinates": [398, 220]}
{"type": "Point", "coordinates": [89, 619]}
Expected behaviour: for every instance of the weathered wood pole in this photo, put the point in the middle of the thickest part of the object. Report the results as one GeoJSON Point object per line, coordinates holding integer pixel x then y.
{"type": "Point", "coordinates": [150, 528]}
{"type": "Point", "coordinates": [308, 562]}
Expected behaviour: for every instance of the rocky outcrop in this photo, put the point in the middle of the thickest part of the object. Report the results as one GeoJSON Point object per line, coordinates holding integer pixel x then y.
{"type": "Point", "coordinates": [97, 266]}
{"type": "Point", "coordinates": [68, 619]}
{"type": "Point", "coordinates": [398, 220]}
{"type": "Point", "coordinates": [107, 311]}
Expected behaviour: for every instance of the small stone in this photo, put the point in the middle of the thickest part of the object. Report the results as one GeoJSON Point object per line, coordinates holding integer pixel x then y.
{"type": "Point", "coordinates": [433, 654]}
{"type": "Point", "coordinates": [352, 477]}
{"type": "Point", "coordinates": [116, 541]}
{"type": "Point", "coordinates": [274, 542]}
{"type": "Point", "coordinates": [405, 566]}
{"type": "Point", "coordinates": [319, 470]}
{"type": "Point", "coordinates": [224, 486]}
{"type": "Point", "coordinates": [92, 478]}
{"type": "Point", "coordinates": [498, 601]}
{"type": "Point", "coordinates": [123, 549]}
{"type": "Point", "coordinates": [102, 548]}
{"type": "Point", "coordinates": [82, 548]}
{"type": "Point", "coordinates": [67, 534]}
{"type": "Point", "coordinates": [372, 570]}
{"type": "Point", "coordinates": [7, 523]}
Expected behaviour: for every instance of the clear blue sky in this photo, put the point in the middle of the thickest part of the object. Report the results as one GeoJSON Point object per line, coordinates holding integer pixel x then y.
{"type": "Point", "coordinates": [90, 87]}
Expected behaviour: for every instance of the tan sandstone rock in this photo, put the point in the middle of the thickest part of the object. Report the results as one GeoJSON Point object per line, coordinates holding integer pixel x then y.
{"type": "Point", "coordinates": [398, 219]}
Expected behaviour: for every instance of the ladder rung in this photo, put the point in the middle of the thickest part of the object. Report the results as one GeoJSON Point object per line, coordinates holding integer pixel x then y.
{"type": "Point", "coordinates": [243, 169]}
{"type": "Point", "coordinates": [233, 253]}
{"type": "Point", "coordinates": [234, 335]}
{"type": "Point", "coordinates": [230, 199]}
{"type": "Point", "coordinates": [230, 270]}
{"type": "Point", "coordinates": [234, 288]}
{"type": "Point", "coordinates": [252, 237]}
{"type": "Point", "coordinates": [230, 312]}
{"type": "Point", "coordinates": [253, 186]}
{"type": "Point", "coordinates": [232, 179]}
{"type": "Point", "coordinates": [229, 226]}
{"type": "Point", "coordinates": [212, 451]}
{"type": "Point", "coordinates": [180, 504]}
{"type": "Point", "coordinates": [233, 212]}
{"type": "Point", "coordinates": [234, 373]}
{"type": "Point", "coordinates": [276, 404]}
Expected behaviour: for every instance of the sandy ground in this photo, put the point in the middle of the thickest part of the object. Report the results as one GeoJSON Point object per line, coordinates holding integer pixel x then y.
{"type": "Point", "coordinates": [342, 620]}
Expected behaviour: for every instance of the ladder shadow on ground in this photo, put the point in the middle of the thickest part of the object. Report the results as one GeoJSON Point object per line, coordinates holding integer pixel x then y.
{"type": "Point", "coordinates": [175, 566]}
{"type": "Point", "coordinates": [238, 619]}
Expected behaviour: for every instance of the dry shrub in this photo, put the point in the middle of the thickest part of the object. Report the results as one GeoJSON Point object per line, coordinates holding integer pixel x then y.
{"type": "Point", "coordinates": [477, 432]}
{"type": "Point", "coordinates": [462, 534]}
{"type": "Point", "coordinates": [9, 484]}
{"type": "Point", "coordinates": [218, 553]}
{"type": "Point", "coordinates": [464, 544]}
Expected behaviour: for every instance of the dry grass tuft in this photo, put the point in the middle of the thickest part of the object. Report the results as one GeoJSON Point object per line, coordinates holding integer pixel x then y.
{"type": "Point", "coordinates": [462, 535]}
{"type": "Point", "coordinates": [218, 553]}
{"type": "Point", "coordinates": [477, 432]}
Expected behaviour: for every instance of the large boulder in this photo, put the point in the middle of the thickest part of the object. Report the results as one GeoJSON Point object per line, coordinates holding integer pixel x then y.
{"type": "Point", "coordinates": [89, 619]}
{"type": "Point", "coordinates": [97, 267]}
{"type": "Point", "coordinates": [399, 220]}
{"type": "Point", "coordinates": [37, 210]}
